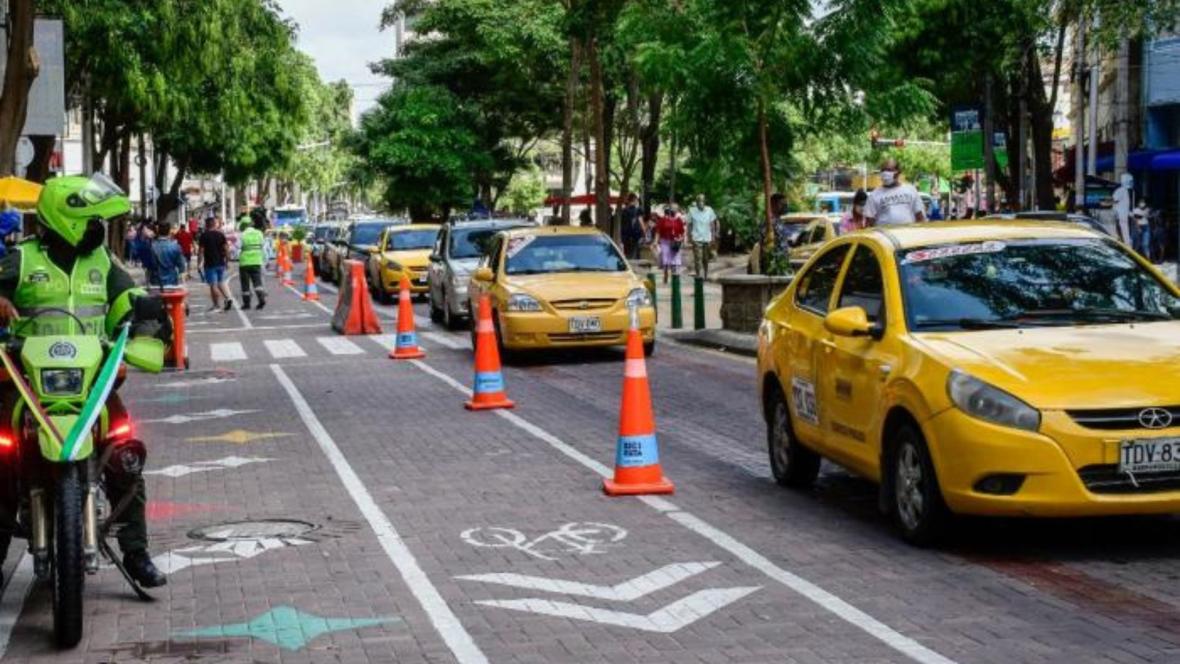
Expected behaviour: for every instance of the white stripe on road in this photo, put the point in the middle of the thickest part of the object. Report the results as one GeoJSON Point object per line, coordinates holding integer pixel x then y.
{"type": "Point", "coordinates": [242, 314]}
{"type": "Point", "coordinates": [257, 328]}
{"type": "Point", "coordinates": [315, 302]}
{"type": "Point", "coordinates": [340, 346]}
{"type": "Point", "coordinates": [14, 598]}
{"type": "Point", "coordinates": [446, 340]}
{"type": "Point", "coordinates": [283, 348]}
{"type": "Point", "coordinates": [229, 351]}
{"type": "Point", "coordinates": [843, 610]}
{"type": "Point", "coordinates": [441, 616]}
{"type": "Point", "coordinates": [386, 341]}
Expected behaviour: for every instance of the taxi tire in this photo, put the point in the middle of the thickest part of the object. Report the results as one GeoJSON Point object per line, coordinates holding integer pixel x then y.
{"type": "Point", "coordinates": [649, 348]}
{"type": "Point", "coordinates": [794, 466]}
{"type": "Point", "coordinates": [909, 449]}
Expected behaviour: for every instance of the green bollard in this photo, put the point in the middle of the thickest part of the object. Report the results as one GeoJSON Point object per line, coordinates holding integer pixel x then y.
{"type": "Point", "coordinates": [698, 303]}
{"type": "Point", "coordinates": [677, 314]}
{"type": "Point", "coordinates": [652, 277]}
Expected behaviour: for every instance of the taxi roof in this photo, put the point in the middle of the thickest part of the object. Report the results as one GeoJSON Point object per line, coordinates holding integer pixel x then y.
{"type": "Point", "coordinates": [553, 230]}
{"type": "Point", "coordinates": [905, 236]}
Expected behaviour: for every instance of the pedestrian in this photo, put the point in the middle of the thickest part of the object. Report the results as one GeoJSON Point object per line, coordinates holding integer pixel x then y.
{"type": "Point", "coordinates": [1142, 217]}
{"type": "Point", "coordinates": [854, 219]}
{"type": "Point", "coordinates": [670, 237]}
{"type": "Point", "coordinates": [168, 261]}
{"type": "Point", "coordinates": [143, 244]}
{"type": "Point", "coordinates": [1122, 208]}
{"type": "Point", "coordinates": [129, 238]}
{"type": "Point", "coordinates": [584, 217]}
{"type": "Point", "coordinates": [632, 227]}
{"type": "Point", "coordinates": [184, 238]}
{"type": "Point", "coordinates": [704, 231]}
{"type": "Point", "coordinates": [214, 252]}
{"type": "Point", "coordinates": [894, 202]}
{"type": "Point", "coordinates": [250, 262]}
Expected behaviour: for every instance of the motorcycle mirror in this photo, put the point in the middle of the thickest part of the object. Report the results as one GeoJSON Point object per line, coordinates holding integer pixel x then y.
{"type": "Point", "coordinates": [145, 353]}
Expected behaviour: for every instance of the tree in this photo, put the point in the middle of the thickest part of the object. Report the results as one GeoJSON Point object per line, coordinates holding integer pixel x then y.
{"type": "Point", "coordinates": [20, 69]}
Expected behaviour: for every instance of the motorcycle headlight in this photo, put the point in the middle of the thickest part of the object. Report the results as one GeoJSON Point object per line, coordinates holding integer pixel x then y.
{"type": "Point", "coordinates": [978, 399]}
{"type": "Point", "coordinates": [522, 302]}
{"type": "Point", "coordinates": [639, 297]}
{"type": "Point", "coordinates": [61, 382]}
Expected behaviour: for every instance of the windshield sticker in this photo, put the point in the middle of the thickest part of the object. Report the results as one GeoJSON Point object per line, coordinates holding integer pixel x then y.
{"type": "Point", "coordinates": [517, 243]}
{"type": "Point", "coordinates": [922, 255]}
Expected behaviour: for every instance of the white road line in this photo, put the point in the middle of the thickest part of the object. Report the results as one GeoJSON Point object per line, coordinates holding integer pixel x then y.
{"type": "Point", "coordinates": [283, 348]}
{"type": "Point", "coordinates": [229, 351]}
{"type": "Point", "coordinates": [340, 346]}
{"type": "Point", "coordinates": [15, 593]}
{"type": "Point", "coordinates": [242, 314]}
{"type": "Point", "coordinates": [257, 328]}
{"type": "Point", "coordinates": [444, 340]}
{"type": "Point", "coordinates": [444, 620]}
{"type": "Point", "coordinates": [386, 341]}
{"type": "Point", "coordinates": [315, 302]}
{"type": "Point", "coordinates": [843, 610]}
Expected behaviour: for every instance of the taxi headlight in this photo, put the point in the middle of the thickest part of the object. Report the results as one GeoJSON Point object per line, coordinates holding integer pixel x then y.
{"type": "Point", "coordinates": [391, 264]}
{"type": "Point", "coordinates": [639, 297]}
{"type": "Point", "coordinates": [978, 399]}
{"type": "Point", "coordinates": [61, 382]}
{"type": "Point", "coordinates": [522, 302]}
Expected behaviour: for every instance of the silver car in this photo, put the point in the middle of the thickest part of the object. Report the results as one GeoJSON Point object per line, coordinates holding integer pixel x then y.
{"type": "Point", "coordinates": [458, 248]}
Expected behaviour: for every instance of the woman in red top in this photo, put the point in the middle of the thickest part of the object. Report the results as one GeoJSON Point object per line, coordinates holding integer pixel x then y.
{"type": "Point", "coordinates": [670, 236]}
{"type": "Point", "coordinates": [185, 239]}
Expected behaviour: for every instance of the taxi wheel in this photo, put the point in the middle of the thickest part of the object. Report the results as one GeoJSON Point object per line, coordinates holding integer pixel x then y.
{"type": "Point", "coordinates": [791, 463]}
{"type": "Point", "coordinates": [918, 509]}
{"type": "Point", "coordinates": [649, 347]}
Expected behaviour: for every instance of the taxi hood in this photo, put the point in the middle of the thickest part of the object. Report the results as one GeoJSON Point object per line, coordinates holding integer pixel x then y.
{"type": "Point", "coordinates": [571, 285]}
{"type": "Point", "coordinates": [410, 257]}
{"type": "Point", "coordinates": [1092, 366]}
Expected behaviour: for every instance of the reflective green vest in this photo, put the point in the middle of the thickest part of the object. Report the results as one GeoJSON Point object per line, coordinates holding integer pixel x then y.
{"type": "Point", "coordinates": [43, 285]}
{"type": "Point", "coordinates": [252, 255]}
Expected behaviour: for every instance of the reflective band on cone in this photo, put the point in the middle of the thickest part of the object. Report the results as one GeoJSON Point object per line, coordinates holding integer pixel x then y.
{"type": "Point", "coordinates": [406, 347]}
{"type": "Point", "coordinates": [488, 390]}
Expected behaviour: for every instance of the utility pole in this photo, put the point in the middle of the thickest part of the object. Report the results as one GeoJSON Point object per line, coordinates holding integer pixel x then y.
{"type": "Point", "coordinates": [1122, 107]}
{"type": "Point", "coordinates": [1092, 122]}
{"type": "Point", "coordinates": [989, 163]}
{"type": "Point", "coordinates": [1079, 113]}
{"type": "Point", "coordinates": [1021, 182]}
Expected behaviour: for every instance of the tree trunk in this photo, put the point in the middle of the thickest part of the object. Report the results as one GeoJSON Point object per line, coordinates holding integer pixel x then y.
{"type": "Point", "coordinates": [22, 67]}
{"type": "Point", "coordinates": [1040, 116]}
{"type": "Point", "coordinates": [567, 131]}
{"type": "Point", "coordinates": [651, 148]}
{"type": "Point", "coordinates": [672, 167]}
{"type": "Point", "coordinates": [604, 138]}
{"type": "Point", "coordinates": [38, 171]}
{"type": "Point", "coordinates": [121, 163]}
{"type": "Point", "coordinates": [767, 177]}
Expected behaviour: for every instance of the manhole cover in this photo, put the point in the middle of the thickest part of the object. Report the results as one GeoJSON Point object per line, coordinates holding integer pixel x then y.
{"type": "Point", "coordinates": [251, 530]}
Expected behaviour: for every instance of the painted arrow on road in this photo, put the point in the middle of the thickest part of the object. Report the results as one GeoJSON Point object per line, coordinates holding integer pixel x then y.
{"type": "Point", "coordinates": [664, 577]}
{"type": "Point", "coordinates": [678, 614]}
{"type": "Point", "coordinates": [180, 470]}
{"type": "Point", "coordinates": [218, 414]}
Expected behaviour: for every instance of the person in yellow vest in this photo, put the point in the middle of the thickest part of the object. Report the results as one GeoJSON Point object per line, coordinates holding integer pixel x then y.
{"type": "Point", "coordinates": [251, 259]}
{"type": "Point", "coordinates": [66, 277]}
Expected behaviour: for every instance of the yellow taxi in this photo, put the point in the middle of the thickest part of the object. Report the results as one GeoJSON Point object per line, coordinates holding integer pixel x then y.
{"type": "Point", "coordinates": [1022, 369]}
{"type": "Point", "coordinates": [558, 287]}
{"type": "Point", "coordinates": [817, 232]}
{"type": "Point", "coordinates": [401, 250]}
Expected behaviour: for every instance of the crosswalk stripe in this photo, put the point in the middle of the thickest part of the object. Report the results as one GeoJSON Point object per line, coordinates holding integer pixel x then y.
{"type": "Point", "coordinates": [231, 351]}
{"type": "Point", "coordinates": [387, 341]}
{"type": "Point", "coordinates": [446, 340]}
{"type": "Point", "coordinates": [283, 348]}
{"type": "Point", "coordinates": [340, 346]}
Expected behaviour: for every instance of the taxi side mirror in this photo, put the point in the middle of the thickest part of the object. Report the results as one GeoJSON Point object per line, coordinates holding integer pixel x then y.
{"type": "Point", "coordinates": [849, 322]}
{"type": "Point", "coordinates": [374, 250]}
{"type": "Point", "coordinates": [483, 274]}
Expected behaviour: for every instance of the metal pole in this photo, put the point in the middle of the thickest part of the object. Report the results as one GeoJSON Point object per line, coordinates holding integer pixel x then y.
{"type": "Point", "coordinates": [677, 313]}
{"type": "Point", "coordinates": [1092, 121]}
{"type": "Point", "coordinates": [1122, 107]}
{"type": "Point", "coordinates": [1021, 182]}
{"type": "Point", "coordinates": [1079, 115]}
{"type": "Point", "coordinates": [698, 303]}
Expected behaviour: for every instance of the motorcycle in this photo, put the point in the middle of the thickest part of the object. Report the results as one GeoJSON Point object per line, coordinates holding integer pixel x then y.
{"type": "Point", "coordinates": [59, 423]}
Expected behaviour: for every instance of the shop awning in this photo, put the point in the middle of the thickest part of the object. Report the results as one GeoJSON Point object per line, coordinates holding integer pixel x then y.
{"type": "Point", "coordinates": [1166, 161]}
{"type": "Point", "coordinates": [1141, 161]}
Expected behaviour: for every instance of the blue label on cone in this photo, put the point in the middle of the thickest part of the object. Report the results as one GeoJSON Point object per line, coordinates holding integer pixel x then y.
{"type": "Point", "coordinates": [405, 339]}
{"type": "Point", "coordinates": [487, 383]}
{"type": "Point", "coordinates": [637, 451]}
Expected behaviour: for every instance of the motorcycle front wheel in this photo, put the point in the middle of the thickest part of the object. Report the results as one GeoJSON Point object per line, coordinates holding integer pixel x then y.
{"type": "Point", "coordinates": [68, 569]}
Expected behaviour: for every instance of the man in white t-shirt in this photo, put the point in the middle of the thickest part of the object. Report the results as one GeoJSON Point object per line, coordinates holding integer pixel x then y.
{"type": "Point", "coordinates": [1122, 208]}
{"type": "Point", "coordinates": [894, 202]}
{"type": "Point", "coordinates": [703, 231]}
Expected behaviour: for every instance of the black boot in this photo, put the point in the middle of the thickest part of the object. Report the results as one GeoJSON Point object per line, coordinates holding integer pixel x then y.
{"type": "Point", "coordinates": [246, 304]}
{"type": "Point", "coordinates": [261, 301]}
{"type": "Point", "coordinates": [141, 568]}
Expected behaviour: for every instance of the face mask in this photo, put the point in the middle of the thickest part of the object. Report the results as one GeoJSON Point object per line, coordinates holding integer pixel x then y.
{"type": "Point", "coordinates": [888, 178]}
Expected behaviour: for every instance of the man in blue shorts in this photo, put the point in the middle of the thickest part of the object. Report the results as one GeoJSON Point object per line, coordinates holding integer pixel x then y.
{"type": "Point", "coordinates": [214, 252]}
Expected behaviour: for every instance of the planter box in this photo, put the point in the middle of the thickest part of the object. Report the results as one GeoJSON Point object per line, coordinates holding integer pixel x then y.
{"type": "Point", "coordinates": [744, 298]}
{"type": "Point", "coordinates": [297, 252]}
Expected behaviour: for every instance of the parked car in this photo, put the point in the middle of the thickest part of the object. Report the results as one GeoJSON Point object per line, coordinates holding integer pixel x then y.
{"type": "Point", "coordinates": [817, 232]}
{"type": "Point", "coordinates": [318, 239]}
{"type": "Point", "coordinates": [357, 242]}
{"type": "Point", "coordinates": [401, 250]}
{"type": "Point", "coordinates": [332, 256]}
{"type": "Point", "coordinates": [457, 251]}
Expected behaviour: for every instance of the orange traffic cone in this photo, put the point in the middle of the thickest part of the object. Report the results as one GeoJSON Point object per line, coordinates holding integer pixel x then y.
{"type": "Point", "coordinates": [280, 263]}
{"type": "Point", "coordinates": [637, 456]}
{"type": "Point", "coordinates": [310, 290]}
{"type": "Point", "coordinates": [287, 267]}
{"type": "Point", "coordinates": [488, 392]}
{"type": "Point", "coordinates": [406, 347]}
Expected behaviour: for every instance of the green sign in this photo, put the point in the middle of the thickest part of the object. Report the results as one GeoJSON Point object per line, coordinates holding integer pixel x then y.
{"type": "Point", "coordinates": [1000, 150]}
{"type": "Point", "coordinates": [966, 138]}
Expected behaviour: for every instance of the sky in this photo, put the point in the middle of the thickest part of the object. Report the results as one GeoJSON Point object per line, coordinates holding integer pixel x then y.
{"type": "Point", "coordinates": [342, 36]}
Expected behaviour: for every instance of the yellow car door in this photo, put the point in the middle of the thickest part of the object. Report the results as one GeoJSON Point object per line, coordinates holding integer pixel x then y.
{"type": "Point", "coordinates": [855, 369]}
{"type": "Point", "coordinates": [813, 299]}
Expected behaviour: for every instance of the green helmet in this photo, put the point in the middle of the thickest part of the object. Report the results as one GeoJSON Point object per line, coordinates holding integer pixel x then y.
{"type": "Point", "coordinates": [68, 204]}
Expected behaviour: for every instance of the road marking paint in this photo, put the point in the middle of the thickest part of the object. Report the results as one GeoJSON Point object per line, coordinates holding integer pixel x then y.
{"type": "Point", "coordinates": [386, 341]}
{"type": "Point", "coordinates": [283, 348]}
{"type": "Point", "coordinates": [579, 538]}
{"type": "Point", "coordinates": [315, 302]}
{"type": "Point", "coordinates": [229, 351]}
{"type": "Point", "coordinates": [180, 470]}
{"type": "Point", "coordinates": [444, 340]}
{"type": "Point", "coordinates": [217, 414]}
{"type": "Point", "coordinates": [678, 614]}
{"type": "Point", "coordinates": [15, 593]}
{"type": "Point", "coordinates": [444, 620]}
{"type": "Point", "coordinates": [627, 591]}
{"type": "Point", "coordinates": [238, 437]}
{"type": "Point", "coordinates": [340, 346]}
{"type": "Point", "coordinates": [843, 610]}
{"type": "Point", "coordinates": [246, 324]}
{"type": "Point", "coordinates": [235, 549]}
{"type": "Point", "coordinates": [258, 328]}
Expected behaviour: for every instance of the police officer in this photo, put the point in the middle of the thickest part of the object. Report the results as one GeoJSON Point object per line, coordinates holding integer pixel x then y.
{"type": "Point", "coordinates": [251, 259]}
{"type": "Point", "coordinates": [69, 268]}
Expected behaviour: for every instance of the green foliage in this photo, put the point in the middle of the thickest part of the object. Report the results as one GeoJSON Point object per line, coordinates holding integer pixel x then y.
{"type": "Point", "coordinates": [299, 233]}
{"type": "Point", "coordinates": [525, 193]}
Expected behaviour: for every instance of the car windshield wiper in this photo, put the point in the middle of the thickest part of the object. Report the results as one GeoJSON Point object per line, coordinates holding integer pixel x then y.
{"type": "Point", "coordinates": [970, 323]}
{"type": "Point", "coordinates": [1096, 313]}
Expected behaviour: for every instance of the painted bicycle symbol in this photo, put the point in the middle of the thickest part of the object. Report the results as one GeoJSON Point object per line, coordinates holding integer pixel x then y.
{"type": "Point", "coordinates": [577, 538]}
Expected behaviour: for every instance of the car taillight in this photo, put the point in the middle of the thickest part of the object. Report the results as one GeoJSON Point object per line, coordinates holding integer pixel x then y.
{"type": "Point", "coordinates": [120, 431]}
{"type": "Point", "coordinates": [6, 441]}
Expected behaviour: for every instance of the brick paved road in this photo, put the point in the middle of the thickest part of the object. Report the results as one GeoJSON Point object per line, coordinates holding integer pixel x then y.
{"type": "Point", "coordinates": [442, 535]}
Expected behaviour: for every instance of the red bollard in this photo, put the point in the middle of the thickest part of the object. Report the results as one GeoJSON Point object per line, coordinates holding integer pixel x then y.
{"type": "Point", "coordinates": [174, 297]}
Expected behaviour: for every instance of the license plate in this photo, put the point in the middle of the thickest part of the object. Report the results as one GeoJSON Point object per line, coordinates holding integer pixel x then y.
{"type": "Point", "coordinates": [584, 324]}
{"type": "Point", "coordinates": [1149, 456]}
{"type": "Point", "coordinates": [422, 278]}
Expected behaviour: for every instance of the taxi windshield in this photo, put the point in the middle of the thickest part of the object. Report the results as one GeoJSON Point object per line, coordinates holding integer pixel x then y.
{"type": "Point", "coordinates": [543, 254]}
{"type": "Point", "coordinates": [411, 239]}
{"type": "Point", "coordinates": [471, 243]}
{"type": "Point", "coordinates": [1002, 284]}
{"type": "Point", "coordinates": [366, 234]}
